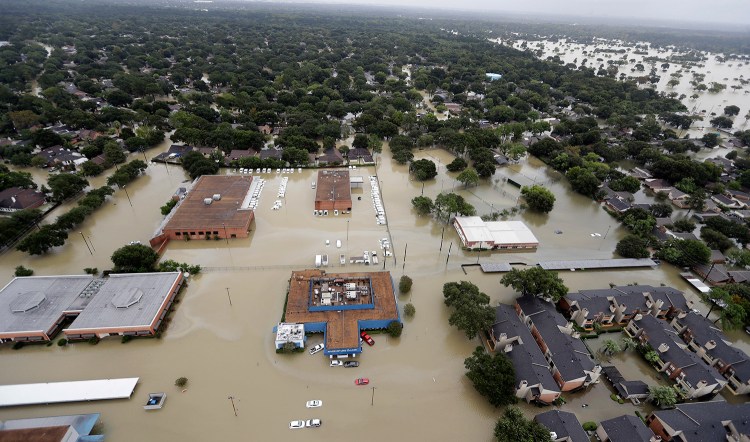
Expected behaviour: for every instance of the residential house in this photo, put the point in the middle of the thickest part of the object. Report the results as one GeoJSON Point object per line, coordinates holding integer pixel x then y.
{"type": "Point", "coordinates": [237, 154]}
{"type": "Point", "coordinates": [702, 422]}
{"type": "Point", "coordinates": [174, 154]}
{"type": "Point", "coordinates": [657, 185]}
{"type": "Point", "coordinates": [626, 428]}
{"type": "Point", "coordinates": [271, 153]}
{"type": "Point", "coordinates": [715, 274]}
{"type": "Point", "coordinates": [616, 306]}
{"type": "Point", "coordinates": [570, 361]}
{"type": "Point", "coordinates": [725, 201]}
{"type": "Point", "coordinates": [58, 156]}
{"type": "Point", "coordinates": [265, 129]}
{"type": "Point", "coordinates": [331, 156]}
{"type": "Point", "coordinates": [738, 195]}
{"type": "Point", "coordinates": [534, 381]}
{"type": "Point", "coordinates": [361, 155]}
{"type": "Point", "coordinates": [633, 391]}
{"type": "Point", "coordinates": [14, 199]}
{"type": "Point", "coordinates": [453, 108]}
{"type": "Point", "coordinates": [692, 375]}
{"type": "Point", "coordinates": [708, 342]}
{"type": "Point", "coordinates": [678, 198]}
{"type": "Point", "coordinates": [563, 426]}
{"type": "Point", "coordinates": [639, 173]}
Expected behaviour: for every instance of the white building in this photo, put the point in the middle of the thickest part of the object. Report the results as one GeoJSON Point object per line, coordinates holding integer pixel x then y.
{"type": "Point", "coordinates": [287, 332]}
{"type": "Point", "coordinates": [504, 235]}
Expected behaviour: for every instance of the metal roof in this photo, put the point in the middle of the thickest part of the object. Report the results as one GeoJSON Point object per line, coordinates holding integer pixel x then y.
{"type": "Point", "coordinates": [59, 392]}
{"type": "Point", "coordinates": [587, 264]}
{"type": "Point", "coordinates": [126, 300]}
{"type": "Point", "coordinates": [495, 267]}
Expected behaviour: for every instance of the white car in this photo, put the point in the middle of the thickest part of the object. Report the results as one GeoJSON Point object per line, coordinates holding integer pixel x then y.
{"type": "Point", "coordinates": [336, 363]}
{"type": "Point", "coordinates": [313, 423]}
{"type": "Point", "coordinates": [293, 425]}
{"type": "Point", "coordinates": [317, 348]}
{"type": "Point", "coordinates": [314, 403]}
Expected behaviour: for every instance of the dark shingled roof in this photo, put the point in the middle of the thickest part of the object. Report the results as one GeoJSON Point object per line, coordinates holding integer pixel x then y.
{"type": "Point", "coordinates": [527, 359]}
{"type": "Point", "coordinates": [570, 355]}
{"type": "Point", "coordinates": [702, 421]}
{"type": "Point", "coordinates": [632, 296]}
{"type": "Point", "coordinates": [626, 428]}
{"type": "Point", "coordinates": [564, 424]}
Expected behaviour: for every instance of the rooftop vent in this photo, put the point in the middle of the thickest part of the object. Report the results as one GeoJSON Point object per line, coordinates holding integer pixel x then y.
{"type": "Point", "coordinates": [27, 301]}
{"type": "Point", "coordinates": [207, 201]}
{"type": "Point", "coordinates": [217, 196]}
{"type": "Point", "coordinates": [127, 298]}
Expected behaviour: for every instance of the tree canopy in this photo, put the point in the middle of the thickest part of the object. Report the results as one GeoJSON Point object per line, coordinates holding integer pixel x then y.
{"type": "Point", "coordinates": [539, 198]}
{"type": "Point", "coordinates": [471, 308]}
{"type": "Point", "coordinates": [536, 281]}
{"type": "Point", "coordinates": [492, 376]}
{"type": "Point", "coordinates": [134, 258]}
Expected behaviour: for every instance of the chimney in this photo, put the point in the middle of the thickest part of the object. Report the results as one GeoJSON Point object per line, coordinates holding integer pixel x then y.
{"type": "Point", "coordinates": [710, 345]}
{"type": "Point", "coordinates": [663, 347]}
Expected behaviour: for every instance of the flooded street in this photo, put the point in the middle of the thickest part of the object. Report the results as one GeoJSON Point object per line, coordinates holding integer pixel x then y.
{"type": "Point", "coordinates": [227, 350]}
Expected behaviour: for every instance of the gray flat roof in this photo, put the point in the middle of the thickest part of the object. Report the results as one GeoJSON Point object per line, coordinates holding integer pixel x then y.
{"type": "Point", "coordinates": [58, 392]}
{"type": "Point", "coordinates": [126, 300]}
{"type": "Point", "coordinates": [34, 304]}
{"type": "Point", "coordinates": [495, 267]}
{"type": "Point", "coordinates": [597, 264]}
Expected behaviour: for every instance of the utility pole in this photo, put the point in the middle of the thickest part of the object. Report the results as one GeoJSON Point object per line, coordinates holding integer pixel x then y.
{"type": "Point", "coordinates": [87, 244]}
{"type": "Point", "coordinates": [128, 195]}
{"type": "Point", "coordinates": [403, 268]}
{"type": "Point", "coordinates": [442, 235]}
{"type": "Point", "coordinates": [449, 254]}
{"type": "Point", "coordinates": [372, 399]}
{"type": "Point", "coordinates": [230, 298]}
{"type": "Point", "coordinates": [231, 398]}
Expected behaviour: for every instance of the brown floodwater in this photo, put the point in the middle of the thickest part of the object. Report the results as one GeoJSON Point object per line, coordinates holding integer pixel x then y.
{"type": "Point", "coordinates": [226, 350]}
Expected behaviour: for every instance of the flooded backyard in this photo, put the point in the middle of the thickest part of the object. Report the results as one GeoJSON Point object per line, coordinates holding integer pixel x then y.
{"type": "Point", "coordinates": [227, 349]}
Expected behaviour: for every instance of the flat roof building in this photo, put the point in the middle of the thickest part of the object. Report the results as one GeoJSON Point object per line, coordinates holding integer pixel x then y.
{"type": "Point", "coordinates": [340, 305]}
{"type": "Point", "coordinates": [333, 190]}
{"type": "Point", "coordinates": [476, 233]}
{"type": "Point", "coordinates": [217, 206]}
{"type": "Point", "coordinates": [74, 428]}
{"type": "Point", "coordinates": [34, 308]}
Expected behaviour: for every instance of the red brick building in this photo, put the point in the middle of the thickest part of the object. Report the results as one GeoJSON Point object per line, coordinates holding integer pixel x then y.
{"type": "Point", "coordinates": [333, 191]}
{"type": "Point", "coordinates": [216, 206]}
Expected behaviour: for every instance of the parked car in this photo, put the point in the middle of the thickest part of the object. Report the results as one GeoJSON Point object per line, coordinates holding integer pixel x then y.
{"type": "Point", "coordinates": [313, 423]}
{"type": "Point", "coordinates": [336, 363]}
{"type": "Point", "coordinates": [349, 364]}
{"type": "Point", "coordinates": [367, 338]}
{"type": "Point", "coordinates": [317, 348]}
{"type": "Point", "coordinates": [293, 425]}
{"type": "Point", "coordinates": [361, 381]}
{"type": "Point", "coordinates": [315, 403]}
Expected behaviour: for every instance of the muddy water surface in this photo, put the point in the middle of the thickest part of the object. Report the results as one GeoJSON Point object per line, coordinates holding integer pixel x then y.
{"type": "Point", "coordinates": [226, 349]}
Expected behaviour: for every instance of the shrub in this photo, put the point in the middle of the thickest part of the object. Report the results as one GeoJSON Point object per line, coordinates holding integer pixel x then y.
{"type": "Point", "coordinates": [62, 342]}
{"type": "Point", "coordinates": [409, 310]}
{"type": "Point", "coordinates": [181, 382]}
{"type": "Point", "coordinates": [404, 284]}
{"type": "Point", "coordinates": [93, 340]}
{"type": "Point", "coordinates": [91, 270]}
{"type": "Point", "coordinates": [23, 271]}
{"type": "Point", "coordinates": [18, 345]}
{"type": "Point", "coordinates": [126, 339]}
{"type": "Point", "coordinates": [589, 426]}
{"type": "Point", "coordinates": [395, 328]}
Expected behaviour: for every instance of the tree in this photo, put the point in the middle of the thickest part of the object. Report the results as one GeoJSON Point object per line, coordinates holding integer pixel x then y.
{"type": "Point", "coordinates": [409, 310]}
{"type": "Point", "coordinates": [395, 328]}
{"type": "Point", "coordinates": [732, 316]}
{"type": "Point", "coordinates": [39, 242]}
{"type": "Point", "coordinates": [731, 110]}
{"type": "Point", "coordinates": [536, 281]}
{"type": "Point", "coordinates": [696, 201]}
{"type": "Point", "coordinates": [23, 271]}
{"type": "Point", "coordinates": [469, 177]}
{"type": "Point", "coordinates": [134, 258]}
{"type": "Point", "coordinates": [684, 252]}
{"type": "Point", "coordinates": [514, 427]}
{"type": "Point", "coordinates": [716, 240]}
{"type": "Point", "coordinates": [181, 382]}
{"type": "Point", "coordinates": [492, 376]}
{"type": "Point", "coordinates": [711, 139]}
{"type": "Point", "coordinates": [652, 357]}
{"type": "Point", "coordinates": [538, 198]}
{"type": "Point", "coordinates": [610, 347]}
{"type": "Point", "coordinates": [457, 165]}
{"type": "Point", "coordinates": [633, 246]}
{"type": "Point", "coordinates": [447, 204]}
{"type": "Point", "coordinates": [404, 284]}
{"type": "Point", "coordinates": [471, 308]}
{"type": "Point", "coordinates": [423, 169]}
{"type": "Point", "coordinates": [66, 185]}
{"type": "Point", "coordinates": [90, 168]}
{"type": "Point", "coordinates": [583, 181]}
{"type": "Point", "coordinates": [662, 396]}
{"type": "Point", "coordinates": [360, 141]}
{"type": "Point", "coordinates": [422, 204]}
{"type": "Point", "coordinates": [722, 122]}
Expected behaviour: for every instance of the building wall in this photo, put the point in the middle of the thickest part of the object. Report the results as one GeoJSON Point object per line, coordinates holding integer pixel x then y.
{"type": "Point", "coordinates": [211, 230]}
{"type": "Point", "coordinates": [333, 205]}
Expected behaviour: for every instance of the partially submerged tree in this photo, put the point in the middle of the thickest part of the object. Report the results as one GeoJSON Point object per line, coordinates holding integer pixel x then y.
{"type": "Point", "coordinates": [492, 376]}
{"type": "Point", "coordinates": [538, 198]}
{"type": "Point", "coordinates": [471, 308]}
{"type": "Point", "coordinates": [514, 427]}
{"type": "Point", "coordinates": [536, 281]}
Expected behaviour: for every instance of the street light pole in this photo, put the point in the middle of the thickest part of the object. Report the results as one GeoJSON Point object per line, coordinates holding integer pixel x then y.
{"type": "Point", "coordinates": [226, 237]}
{"type": "Point", "coordinates": [230, 298]}
{"type": "Point", "coordinates": [128, 195]}
{"type": "Point", "coordinates": [372, 399]}
{"type": "Point", "coordinates": [231, 398]}
{"type": "Point", "coordinates": [87, 244]}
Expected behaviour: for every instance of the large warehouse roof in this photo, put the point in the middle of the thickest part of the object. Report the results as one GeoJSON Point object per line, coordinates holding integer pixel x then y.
{"type": "Point", "coordinates": [333, 185]}
{"type": "Point", "coordinates": [194, 214]}
{"type": "Point", "coordinates": [126, 300]}
{"type": "Point", "coordinates": [497, 232]}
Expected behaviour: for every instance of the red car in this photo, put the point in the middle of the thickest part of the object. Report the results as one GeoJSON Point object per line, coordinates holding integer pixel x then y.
{"type": "Point", "coordinates": [367, 338]}
{"type": "Point", "coordinates": [361, 381]}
